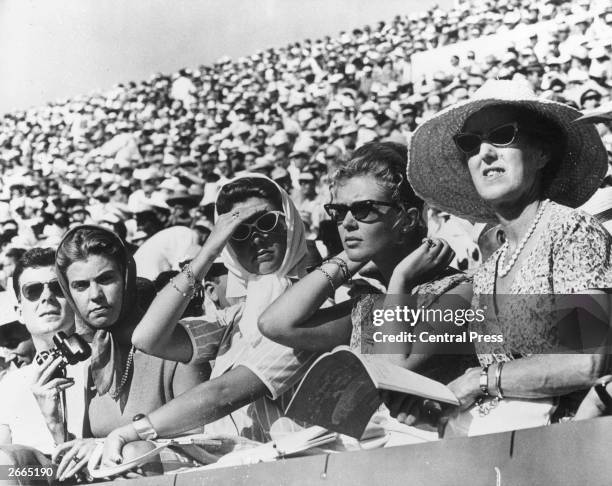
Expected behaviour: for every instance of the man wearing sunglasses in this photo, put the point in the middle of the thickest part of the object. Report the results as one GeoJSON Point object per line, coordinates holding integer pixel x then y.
{"type": "Point", "coordinates": [31, 412]}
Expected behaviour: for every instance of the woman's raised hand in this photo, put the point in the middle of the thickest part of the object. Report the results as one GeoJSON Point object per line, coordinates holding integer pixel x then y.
{"type": "Point", "coordinates": [432, 256]}
{"type": "Point", "coordinates": [226, 225]}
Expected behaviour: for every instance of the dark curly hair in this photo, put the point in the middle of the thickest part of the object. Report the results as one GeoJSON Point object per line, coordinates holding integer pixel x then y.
{"type": "Point", "coordinates": [386, 163]}
{"type": "Point", "coordinates": [33, 258]}
{"type": "Point", "coordinates": [246, 188]}
{"type": "Point", "coordinates": [88, 241]}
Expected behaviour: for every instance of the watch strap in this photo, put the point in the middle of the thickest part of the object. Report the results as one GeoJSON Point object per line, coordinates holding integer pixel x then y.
{"type": "Point", "coordinates": [604, 396]}
{"type": "Point", "coordinates": [143, 427]}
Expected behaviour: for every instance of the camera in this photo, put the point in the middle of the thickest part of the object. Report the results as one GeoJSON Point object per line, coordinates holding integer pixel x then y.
{"type": "Point", "coordinates": [72, 350]}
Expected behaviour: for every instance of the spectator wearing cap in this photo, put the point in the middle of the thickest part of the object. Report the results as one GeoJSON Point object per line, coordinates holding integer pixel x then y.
{"type": "Point", "coordinates": [348, 137]}
{"type": "Point", "coordinates": [203, 226]}
{"type": "Point", "coordinates": [298, 159]}
{"type": "Point", "coordinates": [590, 99]}
{"type": "Point", "coordinates": [432, 105]}
{"type": "Point", "coordinates": [601, 28]}
{"type": "Point", "coordinates": [149, 220]}
{"type": "Point", "coordinates": [308, 203]}
{"type": "Point", "coordinates": [149, 179]}
{"type": "Point", "coordinates": [367, 130]}
{"type": "Point", "coordinates": [79, 214]}
{"type": "Point", "coordinates": [215, 286]}
{"type": "Point", "coordinates": [250, 154]}
{"type": "Point", "coordinates": [555, 89]}
{"type": "Point", "coordinates": [224, 168]}
{"type": "Point", "coordinates": [534, 72]}
{"type": "Point", "coordinates": [181, 202]}
{"type": "Point", "coordinates": [16, 346]}
{"type": "Point", "coordinates": [281, 176]}
{"type": "Point", "coordinates": [281, 148]}
{"type": "Point", "coordinates": [469, 62]}
{"type": "Point", "coordinates": [599, 69]}
{"type": "Point", "coordinates": [115, 223]}
{"type": "Point", "coordinates": [332, 155]}
{"type": "Point", "coordinates": [455, 69]}
{"type": "Point", "coordinates": [8, 261]}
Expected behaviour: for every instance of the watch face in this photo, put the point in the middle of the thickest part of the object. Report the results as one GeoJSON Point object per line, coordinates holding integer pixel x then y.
{"type": "Point", "coordinates": [144, 429]}
{"type": "Point", "coordinates": [138, 416]}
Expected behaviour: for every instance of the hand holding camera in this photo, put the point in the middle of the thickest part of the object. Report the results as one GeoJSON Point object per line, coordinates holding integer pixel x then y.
{"type": "Point", "coordinates": [49, 379]}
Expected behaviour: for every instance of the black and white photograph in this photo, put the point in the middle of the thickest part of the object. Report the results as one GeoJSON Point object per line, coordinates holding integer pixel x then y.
{"type": "Point", "coordinates": [305, 242]}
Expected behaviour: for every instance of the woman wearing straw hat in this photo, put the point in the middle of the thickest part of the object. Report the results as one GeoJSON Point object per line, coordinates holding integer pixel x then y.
{"type": "Point", "coordinates": [507, 157]}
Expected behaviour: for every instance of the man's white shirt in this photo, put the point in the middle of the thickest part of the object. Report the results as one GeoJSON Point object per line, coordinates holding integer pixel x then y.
{"type": "Point", "coordinates": [19, 409]}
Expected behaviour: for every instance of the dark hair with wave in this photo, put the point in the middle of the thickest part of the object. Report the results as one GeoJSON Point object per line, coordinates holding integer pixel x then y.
{"type": "Point", "coordinates": [33, 258]}
{"type": "Point", "coordinates": [245, 188]}
{"type": "Point", "coordinates": [89, 241]}
{"type": "Point", "coordinates": [385, 162]}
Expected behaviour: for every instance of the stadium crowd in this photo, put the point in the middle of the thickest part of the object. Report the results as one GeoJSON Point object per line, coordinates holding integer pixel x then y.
{"type": "Point", "coordinates": [147, 159]}
{"type": "Point", "coordinates": [158, 149]}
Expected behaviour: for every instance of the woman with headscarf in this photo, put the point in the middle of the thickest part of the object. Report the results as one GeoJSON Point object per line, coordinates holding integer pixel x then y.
{"type": "Point", "coordinates": [260, 238]}
{"type": "Point", "coordinates": [508, 157]}
{"type": "Point", "coordinates": [98, 277]}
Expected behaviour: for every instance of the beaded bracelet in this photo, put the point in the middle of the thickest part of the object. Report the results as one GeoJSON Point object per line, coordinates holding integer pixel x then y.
{"type": "Point", "coordinates": [329, 278]}
{"type": "Point", "coordinates": [184, 294]}
{"type": "Point", "coordinates": [342, 265]}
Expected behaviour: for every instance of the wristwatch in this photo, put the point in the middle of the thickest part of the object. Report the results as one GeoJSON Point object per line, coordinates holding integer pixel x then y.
{"type": "Point", "coordinates": [144, 427]}
{"type": "Point", "coordinates": [603, 395]}
{"type": "Point", "coordinates": [484, 380]}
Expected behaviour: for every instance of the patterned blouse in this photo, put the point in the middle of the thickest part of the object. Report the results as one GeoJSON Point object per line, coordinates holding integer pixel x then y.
{"type": "Point", "coordinates": [364, 305]}
{"type": "Point", "coordinates": [574, 254]}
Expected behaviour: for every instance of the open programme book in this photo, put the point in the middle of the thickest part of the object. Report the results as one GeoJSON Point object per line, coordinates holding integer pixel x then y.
{"type": "Point", "coordinates": [341, 390]}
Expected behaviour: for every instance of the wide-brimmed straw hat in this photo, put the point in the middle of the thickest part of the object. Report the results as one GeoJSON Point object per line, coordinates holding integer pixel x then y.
{"type": "Point", "coordinates": [438, 172]}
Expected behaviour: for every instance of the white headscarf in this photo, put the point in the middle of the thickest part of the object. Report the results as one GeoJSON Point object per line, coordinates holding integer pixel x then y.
{"type": "Point", "coordinates": [262, 290]}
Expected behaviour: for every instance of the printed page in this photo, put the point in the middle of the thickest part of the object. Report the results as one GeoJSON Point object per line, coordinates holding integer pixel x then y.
{"type": "Point", "coordinates": [388, 376]}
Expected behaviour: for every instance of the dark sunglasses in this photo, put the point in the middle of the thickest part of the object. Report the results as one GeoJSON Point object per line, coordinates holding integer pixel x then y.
{"type": "Point", "coordinates": [361, 210]}
{"type": "Point", "coordinates": [266, 223]}
{"type": "Point", "coordinates": [33, 290]}
{"type": "Point", "coordinates": [500, 137]}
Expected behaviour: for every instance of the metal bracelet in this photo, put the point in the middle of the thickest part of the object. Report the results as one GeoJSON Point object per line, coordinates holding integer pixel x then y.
{"type": "Point", "coordinates": [498, 387]}
{"type": "Point", "coordinates": [343, 267]}
{"type": "Point", "coordinates": [484, 380]}
{"type": "Point", "coordinates": [188, 271]}
{"type": "Point", "coordinates": [329, 278]}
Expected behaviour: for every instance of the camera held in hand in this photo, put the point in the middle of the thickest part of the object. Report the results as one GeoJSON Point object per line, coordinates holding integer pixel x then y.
{"type": "Point", "coordinates": [72, 350]}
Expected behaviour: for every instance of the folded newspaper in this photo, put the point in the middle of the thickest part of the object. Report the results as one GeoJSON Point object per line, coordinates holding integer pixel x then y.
{"type": "Point", "coordinates": [341, 390]}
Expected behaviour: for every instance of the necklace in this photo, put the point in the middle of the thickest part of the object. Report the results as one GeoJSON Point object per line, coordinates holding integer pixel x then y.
{"type": "Point", "coordinates": [126, 373]}
{"type": "Point", "coordinates": [505, 270]}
